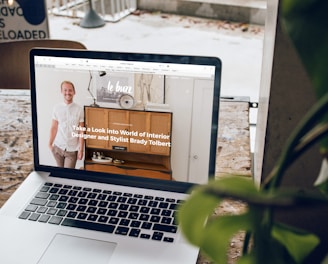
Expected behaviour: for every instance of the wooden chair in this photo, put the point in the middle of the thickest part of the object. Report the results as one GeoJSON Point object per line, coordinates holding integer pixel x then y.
{"type": "Point", "coordinates": [14, 59]}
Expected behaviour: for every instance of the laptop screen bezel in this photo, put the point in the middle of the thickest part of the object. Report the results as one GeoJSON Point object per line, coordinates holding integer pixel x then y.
{"type": "Point", "coordinates": [116, 178]}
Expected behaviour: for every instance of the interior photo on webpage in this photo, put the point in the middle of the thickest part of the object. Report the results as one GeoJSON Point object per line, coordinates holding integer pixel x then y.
{"type": "Point", "coordinates": [151, 125]}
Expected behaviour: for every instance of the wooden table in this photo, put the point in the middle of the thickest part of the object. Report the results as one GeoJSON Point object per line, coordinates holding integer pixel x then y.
{"type": "Point", "coordinates": [16, 161]}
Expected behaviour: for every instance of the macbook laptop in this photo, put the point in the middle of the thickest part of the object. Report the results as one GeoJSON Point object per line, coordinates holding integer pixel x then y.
{"type": "Point", "coordinates": [118, 141]}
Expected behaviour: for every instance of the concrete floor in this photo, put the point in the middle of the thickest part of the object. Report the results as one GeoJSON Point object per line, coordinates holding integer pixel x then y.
{"type": "Point", "coordinates": [239, 46]}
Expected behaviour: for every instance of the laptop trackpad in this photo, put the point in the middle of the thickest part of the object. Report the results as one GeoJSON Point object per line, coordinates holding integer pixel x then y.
{"type": "Point", "coordinates": [70, 249]}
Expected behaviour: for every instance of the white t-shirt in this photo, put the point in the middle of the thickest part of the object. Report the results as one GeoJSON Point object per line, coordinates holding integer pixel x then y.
{"type": "Point", "coordinates": [67, 115]}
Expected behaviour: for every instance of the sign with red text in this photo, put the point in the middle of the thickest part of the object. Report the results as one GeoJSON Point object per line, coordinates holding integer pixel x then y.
{"type": "Point", "coordinates": [23, 20]}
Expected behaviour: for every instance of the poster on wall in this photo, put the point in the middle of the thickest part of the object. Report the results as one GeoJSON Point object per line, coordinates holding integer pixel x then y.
{"type": "Point", "coordinates": [23, 20]}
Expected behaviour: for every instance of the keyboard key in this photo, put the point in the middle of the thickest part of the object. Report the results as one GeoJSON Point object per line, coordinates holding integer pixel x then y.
{"type": "Point", "coordinates": [142, 202]}
{"type": "Point", "coordinates": [62, 213]}
{"type": "Point", "coordinates": [144, 217]}
{"type": "Point", "coordinates": [165, 228]}
{"type": "Point", "coordinates": [53, 190]}
{"type": "Point", "coordinates": [132, 201]}
{"type": "Point", "coordinates": [102, 211]}
{"type": "Point", "coordinates": [113, 220]}
{"type": "Point", "coordinates": [122, 199]}
{"type": "Point", "coordinates": [61, 205]}
{"type": "Point", "coordinates": [122, 230]}
{"type": "Point", "coordinates": [145, 236]}
{"type": "Point", "coordinates": [81, 208]}
{"type": "Point", "coordinates": [24, 215]}
{"type": "Point", "coordinates": [146, 225]}
{"type": "Point", "coordinates": [103, 219]}
{"type": "Point", "coordinates": [113, 205]}
{"type": "Point", "coordinates": [122, 214]}
{"type": "Point", "coordinates": [93, 202]}
{"type": "Point", "coordinates": [37, 201]}
{"type": "Point", "coordinates": [163, 205]}
{"type": "Point", "coordinates": [103, 204]}
{"type": "Point", "coordinates": [82, 216]}
{"type": "Point", "coordinates": [89, 225]}
{"type": "Point", "coordinates": [157, 236]}
{"type": "Point", "coordinates": [170, 200]}
{"type": "Point", "coordinates": [144, 210]}
{"type": "Point", "coordinates": [134, 232]}
{"type": "Point", "coordinates": [63, 198]}
{"type": "Point", "coordinates": [73, 200]}
{"type": "Point", "coordinates": [51, 204]}
{"type": "Point", "coordinates": [135, 224]}
{"type": "Point", "coordinates": [91, 210]}
{"type": "Point", "coordinates": [112, 212]}
{"type": "Point", "coordinates": [34, 217]}
{"type": "Point", "coordinates": [44, 189]}
{"type": "Point", "coordinates": [166, 213]}
{"type": "Point", "coordinates": [63, 191]}
{"type": "Point", "coordinates": [166, 220]}
{"type": "Point", "coordinates": [155, 211]}
{"type": "Point", "coordinates": [123, 207]}
{"type": "Point", "coordinates": [92, 195]}
{"type": "Point", "coordinates": [125, 222]}
{"type": "Point", "coordinates": [134, 208]}
{"type": "Point", "coordinates": [83, 201]}
{"type": "Point", "coordinates": [42, 210]}
{"type": "Point", "coordinates": [54, 197]}
{"type": "Point", "coordinates": [72, 193]}
{"type": "Point", "coordinates": [92, 217]}
{"type": "Point", "coordinates": [31, 208]}
{"type": "Point", "coordinates": [56, 220]}
{"type": "Point", "coordinates": [168, 239]}
{"type": "Point", "coordinates": [72, 214]}
{"type": "Point", "coordinates": [42, 195]}
{"type": "Point", "coordinates": [155, 218]}
{"type": "Point", "coordinates": [102, 197]}
{"type": "Point", "coordinates": [111, 198]}
{"type": "Point", "coordinates": [44, 218]}
{"type": "Point", "coordinates": [153, 203]}
{"type": "Point", "coordinates": [133, 216]}
{"type": "Point", "coordinates": [52, 211]}
{"type": "Point", "coordinates": [71, 207]}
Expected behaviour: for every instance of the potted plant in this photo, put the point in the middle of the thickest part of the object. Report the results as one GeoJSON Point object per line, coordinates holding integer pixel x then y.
{"type": "Point", "coordinates": [267, 241]}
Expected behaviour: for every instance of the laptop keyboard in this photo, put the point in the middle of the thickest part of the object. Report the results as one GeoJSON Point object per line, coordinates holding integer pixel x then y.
{"type": "Point", "coordinates": [127, 214]}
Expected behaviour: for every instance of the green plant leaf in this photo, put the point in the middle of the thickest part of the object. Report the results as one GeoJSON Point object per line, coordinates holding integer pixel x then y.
{"type": "Point", "coordinates": [193, 214]}
{"type": "Point", "coordinates": [298, 243]}
{"type": "Point", "coordinates": [218, 233]}
{"type": "Point", "coordinates": [247, 259]}
{"type": "Point", "coordinates": [199, 226]}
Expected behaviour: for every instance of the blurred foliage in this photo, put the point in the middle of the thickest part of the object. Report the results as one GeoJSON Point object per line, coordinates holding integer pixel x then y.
{"type": "Point", "coordinates": [305, 22]}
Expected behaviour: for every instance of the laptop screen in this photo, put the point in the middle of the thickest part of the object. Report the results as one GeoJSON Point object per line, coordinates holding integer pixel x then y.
{"type": "Point", "coordinates": [138, 118]}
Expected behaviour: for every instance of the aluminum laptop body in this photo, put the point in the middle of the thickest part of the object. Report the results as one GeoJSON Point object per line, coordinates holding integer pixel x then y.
{"type": "Point", "coordinates": [148, 127]}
